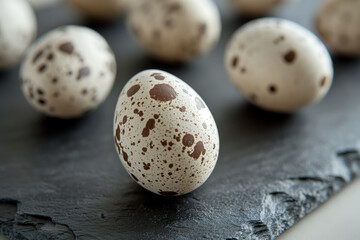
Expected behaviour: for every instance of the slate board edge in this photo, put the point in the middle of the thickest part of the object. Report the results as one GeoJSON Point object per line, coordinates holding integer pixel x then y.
{"type": "Point", "coordinates": [281, 210]}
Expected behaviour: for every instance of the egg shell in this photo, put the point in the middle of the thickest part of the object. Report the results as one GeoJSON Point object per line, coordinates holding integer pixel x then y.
{"type": "Point", "coordinates": [254, 8]}
{"type": "Point", "coordinates": [175, 30]}
{"type": "Point", "coordinates": [68, 71]}
{"type": "Point", "coordinates": [100, 10]}
{"type": "Point", "coordinates": [278, 65]}
{"type": "Point", "coordinates": [338, 24]}
{"type": "Point", "coordinates": [165, 134]}
{"type": "Point", "coordinates": [18, 29]}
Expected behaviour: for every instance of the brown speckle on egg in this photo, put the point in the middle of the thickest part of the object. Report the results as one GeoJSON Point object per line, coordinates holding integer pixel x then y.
{"type": "Point", "coordinates": [162, 92]}
{"type": "Point", "coordinates": [290, 56]}
{"type": "Point", "coordinates": [133, 90]}
{"type": "Point", "coordinates": [66, 47]}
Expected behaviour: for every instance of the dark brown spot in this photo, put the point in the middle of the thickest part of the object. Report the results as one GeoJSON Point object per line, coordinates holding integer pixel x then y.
{"type": "Point", "coordinates": [42, 68]}
{"type": "Point", "coordinates": [146, 166]}
{"type": "Point", "coordinates": [50, 56]}
{"type": "Point", "coordinates": [40, 91]}
{"type": "Point", "coordinates": [124, 119]}
{"type": "Point", "coordinates": [133, 90]}
{"type": "Point", "coordinates": [84, 91]}
{"type": "Point", "coordinates": [204, 125]}
{"type": "Point", "coordinates": [171, 165]}
{"type": "Point", "coordinates": [171, 144]}
{"type": "Point", "coordinates": [157, 76]}
{"type": "Point", "coordinates": [126, 158]}
{"type": "Point", "coordinates": [199, 103]}
{"type": "Point", "coordinates": [198, 150]}
{"type": "Point", "coordinates": [323, 81]}
{"type": "Point", "coordinates": [202, 29]}
{"type": "Point", "coordinates": [149, 126]}
{"type": "Point", "coordinates": [156, 116]}
{"type": "Point", "coordinates": [163, 92]}
{"type": "Point", "coordinates": [54, 80]}
{"type": "Point", "coordinates": [167, 193]}
{"type": "Point", "coordinates": [182, 109]}
{"type": "Point", "coordinates": [42, 101]}
{"type": "Point", "coordinates": [272, 89]}
{"type": "Point", "coordinates": [67, 47]}
{"type": "Point", "coordinates": [169, 173]}
{"type": "Point", "coordinates": [290, 56]}
{"type": "Point", "coordinates": [37, 56]}
{"type": "Point", "coordinates": [118, 133]}
{"type": "Point", "coordinates": [134, 177]}
{"type": "Point", "coordinates": [234, 62]}
{"type": "Point", "coordinates": [188, 140]}
{"type": "Point", "coordinates": [83, 72]}
{"type": "Point", "coordinates": [174, 8]}
{"type": "Point", "coordinates": [163, 142]}
{"type": "Point", "coordinates": [141, 113]}
{"type": "Point", "coordinates": [144, 149]}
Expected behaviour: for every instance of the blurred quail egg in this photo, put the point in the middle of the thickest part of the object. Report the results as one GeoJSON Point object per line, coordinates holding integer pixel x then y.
{"type": "Point", "coordinates": [165, 134]}
{"type": "Point", "coordinates": [175, 30]}
{"type": "Point", "coordinates": [100, 10]}
{"type": "Point", "coordinates": [338, 24]}
{"type": "Point", "coordinates": [254, 7]}
{"type": "Point", "coordinates": [278, 65]}
{"type": "Point", "coordinates": [68, 72]}
{"type": "Point", "coordinates": [17, 30]}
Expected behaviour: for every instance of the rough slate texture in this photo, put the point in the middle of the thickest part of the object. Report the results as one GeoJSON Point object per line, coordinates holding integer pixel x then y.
{"type": "Point", "coordinates": [63, 179]}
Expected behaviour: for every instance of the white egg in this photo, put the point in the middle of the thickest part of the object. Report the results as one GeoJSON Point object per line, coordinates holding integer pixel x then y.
{"type": "Point", "coordinates": [104, 10]}
{"type": "Point", "coordinates": [68, 72]}
{"type": "Point", "coordinates": [338, 24]}
{"type": "Point", "coordinates": [254, 7]}
{"type": "Point", "coordinates": [165, 134]}
{"type": "Point", "coordinates": [278, 65]}
{"type": "Point", "coordinates": [175, 30]}
{"type": "Point", "coordinates": [17, 30]}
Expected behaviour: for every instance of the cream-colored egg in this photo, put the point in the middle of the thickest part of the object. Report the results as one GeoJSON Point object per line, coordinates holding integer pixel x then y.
{"type": "Point", "coordinates": [338, 24]}
{"type": "Point", "coordinates": [254, 7]}
{"type": "Point", "coordinates": [68, 72]}
{"type": "Point", "coordinates": [175, 30]}
{"type": "Point", "coordinates": [278, 65]}
{"type": "Point", "coordinates": [165, 134]}
{"type": "Point", "coordinates": [100, 10]}
{"type": "Point", "coordinates": [17, 30]}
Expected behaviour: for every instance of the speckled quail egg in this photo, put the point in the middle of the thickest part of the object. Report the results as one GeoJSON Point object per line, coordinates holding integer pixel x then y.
{"type": "Point", "coordinates": [338, 24]}
{"type": "Point", "coordinates": [278, 65]}
{"type": "Point", "coordinates": [100, 10]}
{"type": "Point", "coordinates": [254, 7]}
{"type": "Point", "coordinates": [175, 30]}
{"type": "Point", "coordinates": [68, 71]}
{"type": "Point", "coordinates": [17, 30]}
{"type": "Point", "coordinates": [165, 134]}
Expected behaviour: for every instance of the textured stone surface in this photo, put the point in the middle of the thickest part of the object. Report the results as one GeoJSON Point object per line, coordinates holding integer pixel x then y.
{"type": "Point", "coordinates": [64, 178]}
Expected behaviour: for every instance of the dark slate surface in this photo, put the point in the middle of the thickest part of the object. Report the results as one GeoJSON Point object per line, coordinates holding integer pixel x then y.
{"type": "Point", "coordinates": [63, 179]}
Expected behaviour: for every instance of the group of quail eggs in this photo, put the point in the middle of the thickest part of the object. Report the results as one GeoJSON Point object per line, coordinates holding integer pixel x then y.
{"type": "Point", "coordinates": [164, 132]}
